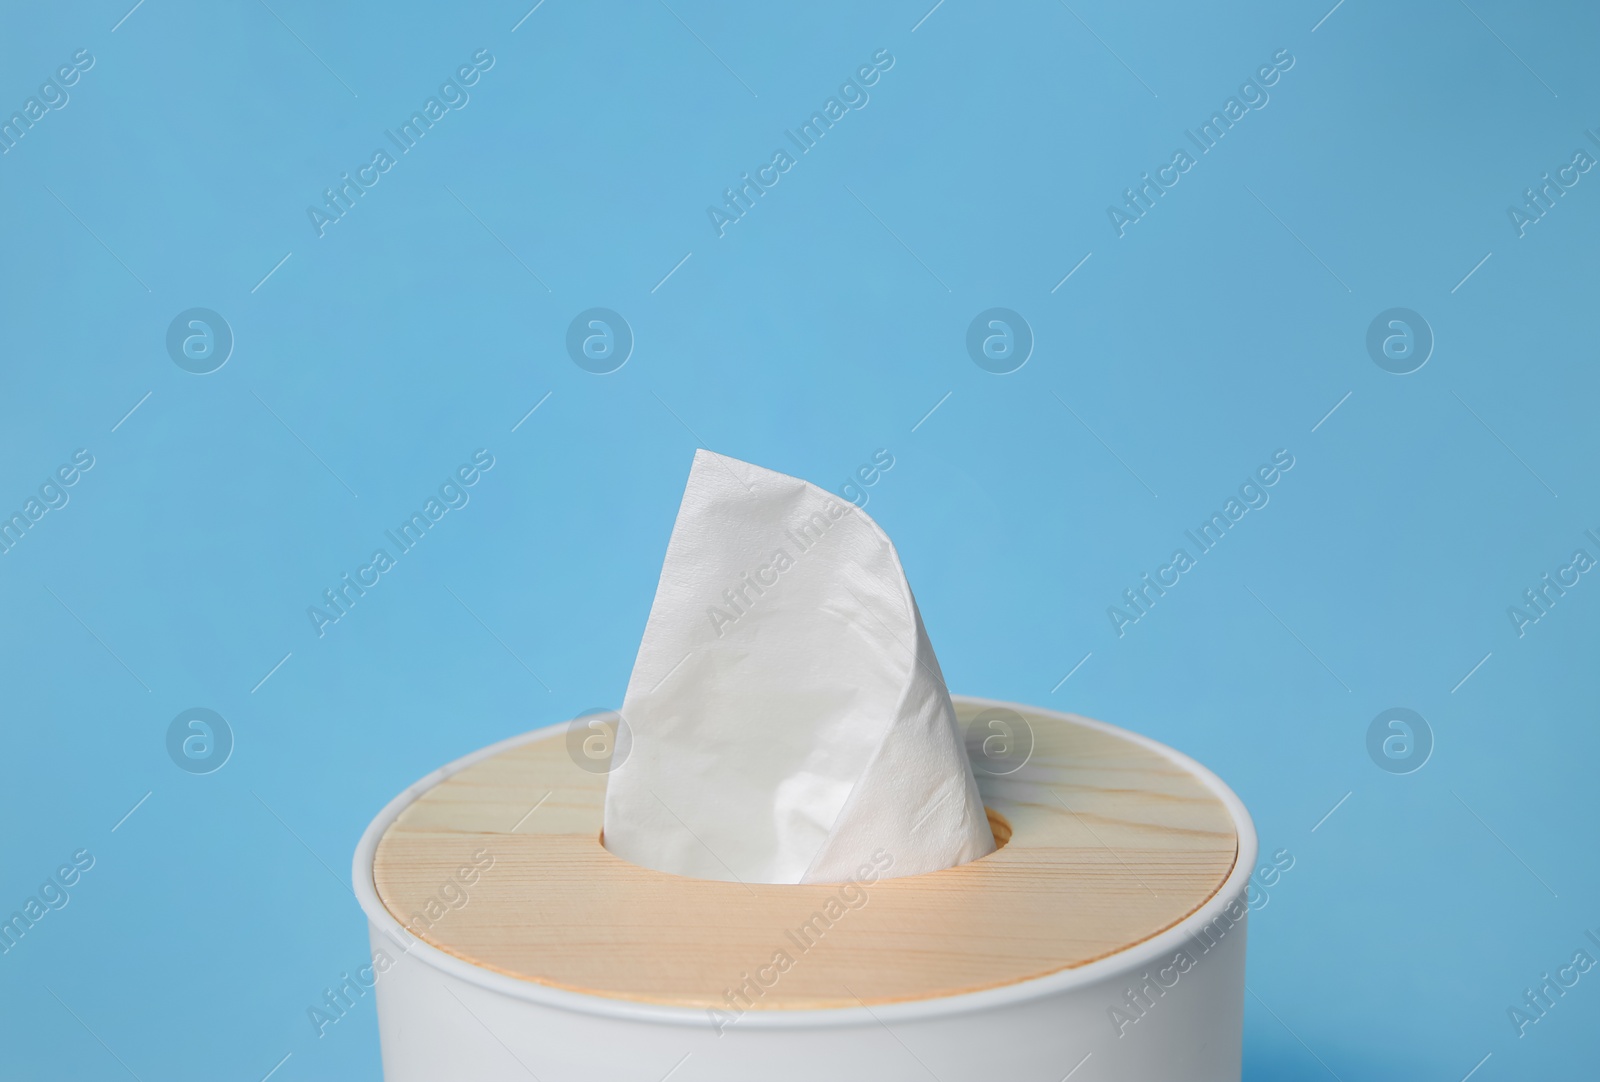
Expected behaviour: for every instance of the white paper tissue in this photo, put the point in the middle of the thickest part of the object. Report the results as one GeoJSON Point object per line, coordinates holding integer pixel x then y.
{"type": "Point", "coordinates": [786, 718]}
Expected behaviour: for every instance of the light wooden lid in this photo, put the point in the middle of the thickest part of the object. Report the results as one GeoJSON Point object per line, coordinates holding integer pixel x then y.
{"type": "Point", "coordinates": [1112, 842]}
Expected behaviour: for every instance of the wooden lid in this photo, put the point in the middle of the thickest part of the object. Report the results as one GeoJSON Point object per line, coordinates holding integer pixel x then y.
{"type": "Point", "coordinates": [1111, 842]}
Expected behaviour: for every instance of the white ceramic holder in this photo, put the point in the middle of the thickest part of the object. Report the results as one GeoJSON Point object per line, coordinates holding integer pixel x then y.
{"type": "Point", "coordinates": [1104, 939]}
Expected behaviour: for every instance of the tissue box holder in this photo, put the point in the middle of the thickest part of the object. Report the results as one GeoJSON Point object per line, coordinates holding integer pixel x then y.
{"type": "Point", "coordinates": [1103, 940]}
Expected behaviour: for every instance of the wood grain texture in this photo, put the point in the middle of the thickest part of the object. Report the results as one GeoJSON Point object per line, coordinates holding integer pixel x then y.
{"type": "Point", "coordinates": [1111, 844]}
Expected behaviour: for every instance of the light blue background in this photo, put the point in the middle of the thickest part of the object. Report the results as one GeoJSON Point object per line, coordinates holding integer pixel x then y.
{"type": "Point", "coordinates": [805, 339]}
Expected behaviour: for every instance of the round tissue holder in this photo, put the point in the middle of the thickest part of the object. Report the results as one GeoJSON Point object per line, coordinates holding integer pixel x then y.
{"type": "Point", "coordinates": [1104, 939]}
